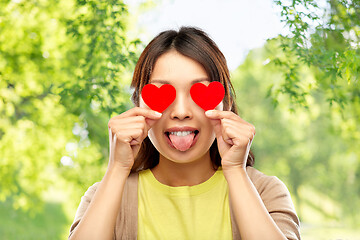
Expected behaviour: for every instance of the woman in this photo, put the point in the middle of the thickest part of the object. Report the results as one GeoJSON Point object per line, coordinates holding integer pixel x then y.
{"type": "Point", "coordinates": [184, 173]}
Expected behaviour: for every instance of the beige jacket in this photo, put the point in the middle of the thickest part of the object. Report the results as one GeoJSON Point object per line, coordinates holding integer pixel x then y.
{"type": "Point", "coordinates": [272, 191]}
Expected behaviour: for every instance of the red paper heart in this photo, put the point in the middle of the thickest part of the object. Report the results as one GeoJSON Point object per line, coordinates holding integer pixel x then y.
{"type": "Point", "coordinates": [158, 99]}
{"type": "Point", "coordinates": [207, 97]}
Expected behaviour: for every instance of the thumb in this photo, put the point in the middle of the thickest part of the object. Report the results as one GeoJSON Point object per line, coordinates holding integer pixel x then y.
{"type": "Point", "coordinates": [150, 122]}
{"type": "Point", "coordinates": [216, 123]}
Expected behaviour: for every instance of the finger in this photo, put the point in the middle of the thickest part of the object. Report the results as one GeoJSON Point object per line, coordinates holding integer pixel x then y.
{"type": "Point", "coordinates": [132, 122]}
{"type": "Point", "coordinates": [111, 144]}
{"type": "Point", "coordinates": [125, 129]}
{"type": "Point", "coordinates": [238, 136]}
{"type": "Point", "coordinates": [216, 123]}
{"type": "Point", "coordinates": [110, 135]}
{"type": "Point", "coordinates": [216, 114]}
{"type": "Point", "coordinates": [137, 111]}
{"type": "Point", "coordinates": [150, 123]}
{"type": "Point", "coordinates": [224, 133]}
{"type": "Point", "coordinates": [127, 121]}
{"type": "Point", "coordinates": [222, 129]}
{"type": "Point", "coordinates": [126, 118]}
{"type": "Point", "coordinates": [246, 127]}
{"type": "Point", "coordinates": [130, 135]}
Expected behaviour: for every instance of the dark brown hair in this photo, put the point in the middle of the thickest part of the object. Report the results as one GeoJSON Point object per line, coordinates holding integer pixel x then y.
{"type": "Point", "coordinates": [197, 45]}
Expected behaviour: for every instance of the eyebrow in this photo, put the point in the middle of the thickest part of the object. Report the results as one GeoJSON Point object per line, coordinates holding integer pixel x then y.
{"type": "Point", "coordinates": [192, 82]}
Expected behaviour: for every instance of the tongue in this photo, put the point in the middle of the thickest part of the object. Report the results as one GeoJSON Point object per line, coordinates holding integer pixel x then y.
{"type": "Point", "coordinates": [182, 143]}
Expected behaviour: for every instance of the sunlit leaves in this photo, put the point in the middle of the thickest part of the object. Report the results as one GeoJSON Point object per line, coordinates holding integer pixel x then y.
{"type": "Point", "coordinates": [62, 64]}
{"type": "Point", "coordinates": [313, 149]}
{"type": "Point", "coordinates": [102, 58]}
{"type": "Point", "coordinates": [326, 39]}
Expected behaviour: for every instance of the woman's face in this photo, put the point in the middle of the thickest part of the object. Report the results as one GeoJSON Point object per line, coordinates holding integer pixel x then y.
{"type": "Point", "coordinates": [183, 134]}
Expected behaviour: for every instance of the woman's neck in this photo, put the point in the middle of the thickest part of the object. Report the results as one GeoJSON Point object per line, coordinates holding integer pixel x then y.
{"type": "Point", "coordinates": [183, 174]}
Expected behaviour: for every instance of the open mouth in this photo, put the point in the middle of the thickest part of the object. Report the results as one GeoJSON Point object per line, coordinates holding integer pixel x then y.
{"type": "Point", "coordinates": [182, 140]}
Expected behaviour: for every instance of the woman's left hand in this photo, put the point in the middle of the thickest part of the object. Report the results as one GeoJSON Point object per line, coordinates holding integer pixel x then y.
{"type": "Point", "coordinates": [234, 137]}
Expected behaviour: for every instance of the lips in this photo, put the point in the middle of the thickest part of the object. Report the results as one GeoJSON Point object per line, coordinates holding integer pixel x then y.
{"type": "Point", "coordinates": [181, 129]}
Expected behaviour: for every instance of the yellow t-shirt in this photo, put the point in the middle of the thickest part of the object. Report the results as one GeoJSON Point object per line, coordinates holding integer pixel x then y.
{"type": "Point", "coordinates": [187, 212]}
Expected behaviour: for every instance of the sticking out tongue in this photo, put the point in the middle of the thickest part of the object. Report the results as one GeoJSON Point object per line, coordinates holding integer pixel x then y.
{"type": "Point", "coordinates": [182, 143]}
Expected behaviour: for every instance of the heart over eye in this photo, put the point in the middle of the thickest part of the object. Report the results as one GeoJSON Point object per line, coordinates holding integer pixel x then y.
{"type": "Point", "coordinates": [207, 97]}
{"type": "Point", "coordinates": [158, 99]}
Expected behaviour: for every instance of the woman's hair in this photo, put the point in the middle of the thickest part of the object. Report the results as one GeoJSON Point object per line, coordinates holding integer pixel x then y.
{"type": "Point", "coordinates": [197, 45]}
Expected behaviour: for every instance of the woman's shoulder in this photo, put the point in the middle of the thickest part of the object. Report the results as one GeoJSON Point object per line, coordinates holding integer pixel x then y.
{"type": "Point", "coordinates": [265, 183]}
{"type": "Point", "coordinates": [256, 175]}
{"type": "Point", "coordinates": [90, 192]}
{"type": "Point", "coordinates": [132, 179]}
{"type": "Point", "coordinates": [277, 200]}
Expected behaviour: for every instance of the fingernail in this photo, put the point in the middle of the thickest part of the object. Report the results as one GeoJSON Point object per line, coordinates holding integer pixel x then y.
{"type": "Point", "coordinates": [157, 114]}
{"type": "Point", "coordinates": [209, 113]}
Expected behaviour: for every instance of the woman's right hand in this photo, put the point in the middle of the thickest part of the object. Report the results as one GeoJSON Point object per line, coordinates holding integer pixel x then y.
{"type": "Point", "coordinates": [126, 133]}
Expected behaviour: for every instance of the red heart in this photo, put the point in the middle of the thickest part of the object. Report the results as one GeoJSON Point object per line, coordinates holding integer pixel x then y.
{"type": "Point", "coordinates": [207, 97]}
{"type": "Point", "coordinates": [158, 99]}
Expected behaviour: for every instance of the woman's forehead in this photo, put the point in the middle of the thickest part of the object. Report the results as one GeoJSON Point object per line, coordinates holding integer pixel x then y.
{"type": "Point", "coordinates": [192, 82]}
{"type": "Point", "coordinates": [173, 65]}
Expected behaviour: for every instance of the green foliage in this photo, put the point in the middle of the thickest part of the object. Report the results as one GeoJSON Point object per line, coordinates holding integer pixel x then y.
{"type": "Point", "coordinates": [324, 41]}
{"type": "Point", "coordinates": [49, 224]}
{"type": "Point", "coordinates": [328, 40]}
{"type": "Point", "coordinates": [63, 68]}
{"type": "Point", "coordinates": [102, 55]}
{"type": "Point", "coordinates": [308, 148]}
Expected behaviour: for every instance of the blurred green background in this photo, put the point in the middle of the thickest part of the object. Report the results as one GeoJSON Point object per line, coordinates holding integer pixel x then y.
{"type": "Point", "coordinates": [65, 69]}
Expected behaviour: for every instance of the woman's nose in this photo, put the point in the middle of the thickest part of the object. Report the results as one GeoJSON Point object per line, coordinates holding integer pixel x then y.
{"type": "Point", "coordinates": [181, 107]}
